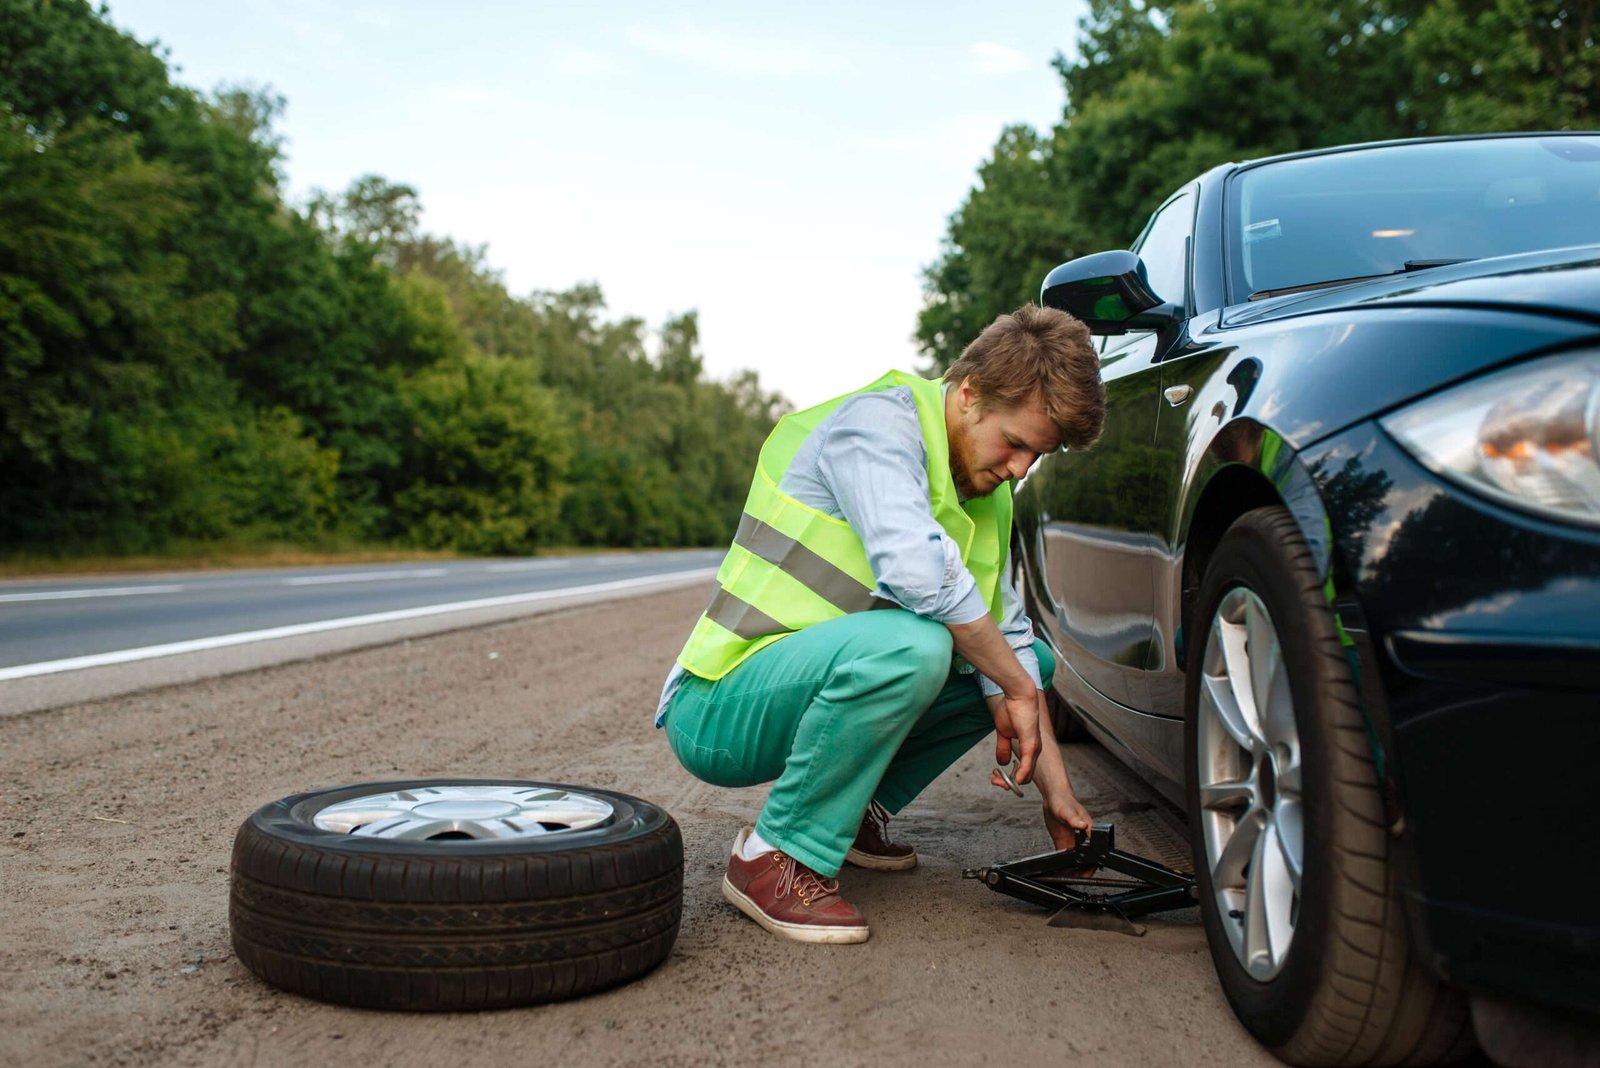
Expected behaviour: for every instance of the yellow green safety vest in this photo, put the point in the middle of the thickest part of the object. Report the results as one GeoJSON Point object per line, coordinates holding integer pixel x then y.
{"type": "Point", "coordinates": [791, 566]}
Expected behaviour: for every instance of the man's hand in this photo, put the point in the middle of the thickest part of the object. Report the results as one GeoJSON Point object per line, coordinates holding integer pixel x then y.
{"type": "Point", "coordinates": [1063, 815]}
{"type": "Point", "coordinates": [1016, 717]}
{"type": "Point", "coordinates": [1016, 728]}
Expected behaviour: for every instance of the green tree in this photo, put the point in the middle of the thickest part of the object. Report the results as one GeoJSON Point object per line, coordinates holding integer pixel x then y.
{"type": "Point", "coordinates": [373, 212]}
{"type": "Point", "coordinates": [183, 355]}
{"type": "Point", "coordinates": [60, 63]}
{"type": "Point", "coordinates": [496, 322]}
{"type": "Point", "coordinates": [1485, 65]}
{"type": "Point", "coordinates": [134, 217]}
{"type": "Point", "coordinates": [97, 339]}
{"type": "Point", "coordinates": [1231, 79]}
{"type": "Point", "coordinates": [484, 460]}
{"type": "Point", "coordinates": [1012, 228]}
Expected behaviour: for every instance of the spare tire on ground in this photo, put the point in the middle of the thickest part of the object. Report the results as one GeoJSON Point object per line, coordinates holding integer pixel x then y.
{"type": "Point", "coordinates": [455, 894]}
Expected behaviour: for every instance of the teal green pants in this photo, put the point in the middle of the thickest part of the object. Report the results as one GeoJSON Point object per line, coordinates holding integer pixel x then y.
{"type": "Point", "coordinates": [863, 707]}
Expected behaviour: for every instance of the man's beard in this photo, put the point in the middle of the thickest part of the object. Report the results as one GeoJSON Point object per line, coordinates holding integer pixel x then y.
{"type": "Point", "coordinates": [960, 473]}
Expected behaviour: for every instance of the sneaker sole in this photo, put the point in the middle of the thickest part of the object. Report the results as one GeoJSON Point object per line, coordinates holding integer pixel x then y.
{"type": "Point", "coordinates": [796, 932]}
{"type": "Point", "coordinates": [877, 863]}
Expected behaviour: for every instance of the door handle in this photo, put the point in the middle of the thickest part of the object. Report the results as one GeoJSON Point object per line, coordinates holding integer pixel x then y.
{"type": "Point", "coordinates": [1176, 395]}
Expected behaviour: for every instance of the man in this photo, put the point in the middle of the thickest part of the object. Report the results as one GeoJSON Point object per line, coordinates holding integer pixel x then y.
{"type": "Point", "coordinates": [897, 497]}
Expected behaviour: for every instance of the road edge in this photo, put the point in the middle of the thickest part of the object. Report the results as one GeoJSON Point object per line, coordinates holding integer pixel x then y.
{"type": "Point", "coordinates": [38, 693]}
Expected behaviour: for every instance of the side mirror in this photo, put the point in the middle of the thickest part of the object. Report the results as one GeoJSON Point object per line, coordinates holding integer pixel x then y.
{"type": "Point", "coordinates": [1109, 291]}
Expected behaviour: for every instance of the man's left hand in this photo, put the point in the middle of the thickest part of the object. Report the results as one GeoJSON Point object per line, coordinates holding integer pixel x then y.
{"type": "Point", "coordinates": [1062, 816]}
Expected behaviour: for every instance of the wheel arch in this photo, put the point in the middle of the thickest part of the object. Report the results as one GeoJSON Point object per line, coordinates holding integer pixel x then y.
{"type": "Point", "coordinates": [1233, 490]}
{"type": "Point", "coordinates": [1247, 465]}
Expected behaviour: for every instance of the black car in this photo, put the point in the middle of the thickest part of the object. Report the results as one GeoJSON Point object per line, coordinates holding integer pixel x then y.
{"type": "Point", "coordinates": [1331, 579]}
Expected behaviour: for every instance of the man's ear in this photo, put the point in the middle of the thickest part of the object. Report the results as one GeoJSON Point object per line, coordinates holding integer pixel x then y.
{"type": "Point", "coordinates": [966, 394]}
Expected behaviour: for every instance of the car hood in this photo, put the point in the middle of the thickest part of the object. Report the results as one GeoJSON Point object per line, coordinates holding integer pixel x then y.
{"type": "Point", "coordinates": [1563, 282]}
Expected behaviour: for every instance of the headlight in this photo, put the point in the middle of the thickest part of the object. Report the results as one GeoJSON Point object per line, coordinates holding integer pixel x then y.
{"type": "Point", "coordinates": [1528, 436]}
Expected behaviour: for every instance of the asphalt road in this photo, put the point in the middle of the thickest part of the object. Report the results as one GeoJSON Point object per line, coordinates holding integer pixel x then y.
{"type": "Point", "coordinates": [46, 622]}
{"type": "Point", "coordinates": [117, 818]}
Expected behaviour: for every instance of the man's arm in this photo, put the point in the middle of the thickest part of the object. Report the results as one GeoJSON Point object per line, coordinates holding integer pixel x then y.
{"type": "Point", "coordinates": [1017, 629]}
{"type": "Point", "coordinates": [1016, 632]}
{"type": "Point", "coordinates": [1062, 811]}
{"type": "Point", "coordinates": [1015, 708]}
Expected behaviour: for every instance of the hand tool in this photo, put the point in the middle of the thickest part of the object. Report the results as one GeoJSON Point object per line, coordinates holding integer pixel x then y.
{"type": "Point", "coordinates": [1009, 775]}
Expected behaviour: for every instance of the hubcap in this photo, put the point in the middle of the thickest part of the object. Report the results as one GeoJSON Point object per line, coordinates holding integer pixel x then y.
{"type": "Point", "coordinates": [1248, 769]}
{"type": "Point", "coordinates": [449, 812]}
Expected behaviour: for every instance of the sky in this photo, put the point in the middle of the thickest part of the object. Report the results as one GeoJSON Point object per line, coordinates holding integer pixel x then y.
{"type": "Point", "coordinates": [786, 170]}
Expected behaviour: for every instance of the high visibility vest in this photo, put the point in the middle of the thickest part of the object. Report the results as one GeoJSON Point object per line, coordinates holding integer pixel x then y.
{"type": "Point", "coordinates": [791, 566]}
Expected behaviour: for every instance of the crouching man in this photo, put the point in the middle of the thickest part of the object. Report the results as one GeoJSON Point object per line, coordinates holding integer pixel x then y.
{"type": "Point", "coordinates": [863, 635]}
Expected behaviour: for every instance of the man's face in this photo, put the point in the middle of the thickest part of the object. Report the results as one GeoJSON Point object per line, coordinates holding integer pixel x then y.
{"type": "Point", "coordinates": [988, 447]}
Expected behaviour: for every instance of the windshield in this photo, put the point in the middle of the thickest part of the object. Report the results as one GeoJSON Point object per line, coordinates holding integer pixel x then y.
{"type": "Point", "coordinates": [1369, 212]}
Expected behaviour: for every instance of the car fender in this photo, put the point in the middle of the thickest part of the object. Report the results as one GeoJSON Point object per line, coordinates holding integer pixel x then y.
{"type": "Point", "coordinates": [1248, 465]}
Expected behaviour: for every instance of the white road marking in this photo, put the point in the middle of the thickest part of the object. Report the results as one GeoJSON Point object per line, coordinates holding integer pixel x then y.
{"type": "Point", "coordinates": [67, 595]}
{"type": "Point", "coordinates": [364, 576]}
{"type": "Point", "coordinates": [123, 656]}
{"type": "Point", "coordinates": [531, 565]}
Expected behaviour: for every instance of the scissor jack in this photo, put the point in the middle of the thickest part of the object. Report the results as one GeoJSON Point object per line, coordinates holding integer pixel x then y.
{"type": "Point", "coordinates": [1047, 879]}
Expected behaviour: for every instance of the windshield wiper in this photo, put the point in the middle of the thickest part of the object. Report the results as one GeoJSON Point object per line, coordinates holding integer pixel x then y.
{"type": "Point", "coordinates": [1411, 265]}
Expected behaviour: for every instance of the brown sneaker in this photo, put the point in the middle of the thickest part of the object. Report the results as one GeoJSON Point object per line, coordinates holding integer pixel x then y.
{"type": "Point", "coordinates": [789, 899]}
{"type": "Point", "coordinates": [872, 848]}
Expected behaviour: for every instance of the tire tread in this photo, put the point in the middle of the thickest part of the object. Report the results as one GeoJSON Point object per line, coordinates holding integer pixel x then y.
{"type": "Point", "coordinates": [1374, 1003]}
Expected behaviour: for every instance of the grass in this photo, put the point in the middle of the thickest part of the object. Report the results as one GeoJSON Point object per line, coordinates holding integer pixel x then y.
{"type": "Point", "coordinates": [220, 557]}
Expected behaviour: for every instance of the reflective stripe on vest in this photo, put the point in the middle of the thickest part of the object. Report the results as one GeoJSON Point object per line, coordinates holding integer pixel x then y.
{"type": "Point", "coordinates": [791, 565]}
{"type": "Point", "coordinates": [836, 586]}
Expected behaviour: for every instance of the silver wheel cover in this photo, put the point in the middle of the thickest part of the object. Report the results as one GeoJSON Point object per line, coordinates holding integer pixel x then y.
{"type": "Point", "coordinates": [476, 811]}
{"type": "Point", "coordinates": [1250, 782]}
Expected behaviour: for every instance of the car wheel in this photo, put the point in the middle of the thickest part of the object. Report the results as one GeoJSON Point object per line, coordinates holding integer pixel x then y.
{"type": "Point", "coordinates": [1297, 894]}
{"type": "Point", "coordinates": [451, 894]}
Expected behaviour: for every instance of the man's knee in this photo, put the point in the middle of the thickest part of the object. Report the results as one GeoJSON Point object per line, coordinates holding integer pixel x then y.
{"type": "Point", "coordinates": [925, 644]}
{"type": "Point", "coordinates": [913, 652]}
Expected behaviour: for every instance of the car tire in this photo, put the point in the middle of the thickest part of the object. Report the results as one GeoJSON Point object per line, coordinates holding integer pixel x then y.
{"type": "Point", "coordinates": [1344, 986]}
{"type": "Point", "coordinates": [472, 907]}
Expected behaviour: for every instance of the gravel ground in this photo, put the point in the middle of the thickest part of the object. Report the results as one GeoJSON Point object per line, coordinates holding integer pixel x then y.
{"type": "Point", "coordinates": [117, 817]}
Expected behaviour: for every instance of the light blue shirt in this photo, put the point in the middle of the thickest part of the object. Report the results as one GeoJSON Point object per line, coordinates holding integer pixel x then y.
{"type": "Point", "coordinates": [866, 464]}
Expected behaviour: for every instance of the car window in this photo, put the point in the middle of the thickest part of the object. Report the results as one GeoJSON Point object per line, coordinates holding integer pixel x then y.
{"type": "Point", "coordinates": [1164, 248]}
{"type": "Point", "coordinates": [1385, 210]}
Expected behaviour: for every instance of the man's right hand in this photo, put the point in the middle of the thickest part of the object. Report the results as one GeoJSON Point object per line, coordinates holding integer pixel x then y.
{"type": "Point", "coordinates": [1016, 727]}
{"type": "Point", "coordinates": [1016, 712]}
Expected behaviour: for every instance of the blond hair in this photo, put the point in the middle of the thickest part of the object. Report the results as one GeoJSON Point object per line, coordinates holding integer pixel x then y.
{"type": "Point", "coordinates": [1038, 353]}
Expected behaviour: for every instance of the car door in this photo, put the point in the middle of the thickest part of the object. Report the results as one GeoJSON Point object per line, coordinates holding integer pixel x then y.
{"type": "Point", "coordinates": [1097, 515]}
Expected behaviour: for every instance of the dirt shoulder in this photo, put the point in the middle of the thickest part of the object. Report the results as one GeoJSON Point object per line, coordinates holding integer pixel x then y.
{"type": "Point", "coordinates": [116, 820]}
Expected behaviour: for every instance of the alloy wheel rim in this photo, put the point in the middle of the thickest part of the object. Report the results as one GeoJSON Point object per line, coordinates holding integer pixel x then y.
{"type": "Point", "coordinates": [463, 812]}
{"type": "Point", "coordinates": [1250, 784]}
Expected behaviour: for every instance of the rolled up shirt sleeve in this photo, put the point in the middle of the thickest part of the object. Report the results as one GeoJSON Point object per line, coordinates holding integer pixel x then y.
{"type": "Point", "coordinates": [874, 463]}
